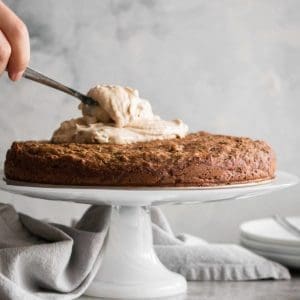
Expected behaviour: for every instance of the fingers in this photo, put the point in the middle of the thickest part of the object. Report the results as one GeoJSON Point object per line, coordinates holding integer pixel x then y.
{"type": "Point", "coordinates": [5, 52]}
{"type": "Point", "coordinates": [17, 36]}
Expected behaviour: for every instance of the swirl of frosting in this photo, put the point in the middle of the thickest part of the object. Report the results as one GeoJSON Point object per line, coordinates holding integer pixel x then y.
{"type": "Point", "coordinates": [121, 117]}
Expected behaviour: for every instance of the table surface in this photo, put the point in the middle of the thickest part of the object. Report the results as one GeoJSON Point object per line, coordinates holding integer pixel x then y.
{"type": "Point", "coordinates": [243, 290]}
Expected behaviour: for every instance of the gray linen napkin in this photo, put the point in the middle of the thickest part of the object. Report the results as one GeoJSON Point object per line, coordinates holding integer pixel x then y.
{"type": "Point", "coordinates": [51, 261]}
{"type": "Point", "coordinates": [197, 259]}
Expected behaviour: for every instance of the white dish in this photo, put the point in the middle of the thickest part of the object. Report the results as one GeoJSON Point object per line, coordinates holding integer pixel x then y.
{"type": "Point", "coordinates": [270, 247]}
{"type": "Point", "coordinates": [268, 238]}
{"type": "Point", "coordinates": [268, 231]}
{"type": "Point", "coordinates": [288, 260]}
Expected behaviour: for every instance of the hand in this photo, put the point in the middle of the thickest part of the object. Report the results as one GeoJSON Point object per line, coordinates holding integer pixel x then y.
{"type": "Point", "coordinates": [14, 44]}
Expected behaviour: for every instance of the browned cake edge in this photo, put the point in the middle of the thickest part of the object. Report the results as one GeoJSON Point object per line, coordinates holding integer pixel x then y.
{"type": "Point", "coordinates": [200, 159]}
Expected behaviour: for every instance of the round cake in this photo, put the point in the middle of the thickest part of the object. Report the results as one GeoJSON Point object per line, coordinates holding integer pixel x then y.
{"type": "Point", "coordinates": [121, 142]}
{"type": "Point", "coordinates": [198, 159]}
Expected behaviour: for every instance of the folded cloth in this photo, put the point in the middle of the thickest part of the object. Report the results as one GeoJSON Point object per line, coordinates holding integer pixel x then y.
{"type": "Point", "coordinates": [197, 259]}
{"type": "Point", "coordinates": [49, 261]}
{"type": "Point", "coordinates": [39, 260]}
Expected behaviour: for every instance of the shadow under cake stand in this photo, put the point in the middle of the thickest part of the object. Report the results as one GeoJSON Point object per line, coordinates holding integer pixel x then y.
{"type": "Point", "coordinates": [130, 267]}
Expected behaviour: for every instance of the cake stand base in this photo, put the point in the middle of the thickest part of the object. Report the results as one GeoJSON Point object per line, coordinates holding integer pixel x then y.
{"type": "Point", "coordinates": [130, 267]}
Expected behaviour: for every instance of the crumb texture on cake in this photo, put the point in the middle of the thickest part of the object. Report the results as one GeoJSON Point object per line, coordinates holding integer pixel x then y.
{"type": "Point", "coordinates": [199, 159]}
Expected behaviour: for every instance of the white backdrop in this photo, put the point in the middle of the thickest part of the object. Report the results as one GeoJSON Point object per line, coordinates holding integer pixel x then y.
{"type": "Point", "coordinates": [227, 66]}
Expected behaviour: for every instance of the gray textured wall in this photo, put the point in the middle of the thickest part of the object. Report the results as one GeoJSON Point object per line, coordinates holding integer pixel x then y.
{"type": "Point", "coordinates": [222, 66]}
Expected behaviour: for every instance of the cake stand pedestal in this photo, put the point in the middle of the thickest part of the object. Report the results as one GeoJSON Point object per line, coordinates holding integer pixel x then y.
{"type": "Point", "coordinates": [130, 267]}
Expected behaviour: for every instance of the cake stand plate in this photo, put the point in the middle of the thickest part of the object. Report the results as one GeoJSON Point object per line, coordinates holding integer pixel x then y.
{"type": "Point", "coordinates": [130, 267]}
{"type": "Point", "coordinates": [145, 196]}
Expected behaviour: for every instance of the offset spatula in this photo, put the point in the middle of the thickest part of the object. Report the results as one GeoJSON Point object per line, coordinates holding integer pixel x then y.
{"type": "Point", "coordinates": [40, 78]}
{"type": "Point", "coordinates": [287, 225]}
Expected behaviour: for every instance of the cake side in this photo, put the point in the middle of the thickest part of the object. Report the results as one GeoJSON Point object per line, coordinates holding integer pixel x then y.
{"type": "Point", "coordinates": [199, 159]}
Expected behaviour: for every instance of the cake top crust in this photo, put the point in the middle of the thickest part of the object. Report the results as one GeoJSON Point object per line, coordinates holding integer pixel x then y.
{"type": "Point", "coordinates": [200, 146]}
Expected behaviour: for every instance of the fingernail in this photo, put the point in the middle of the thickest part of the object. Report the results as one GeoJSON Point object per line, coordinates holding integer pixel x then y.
{"type": "Point", "coordinates": [16, 76]}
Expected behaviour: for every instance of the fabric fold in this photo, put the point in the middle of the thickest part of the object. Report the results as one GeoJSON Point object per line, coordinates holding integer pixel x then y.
{"type": "Point", "coordinates": [49, 261]}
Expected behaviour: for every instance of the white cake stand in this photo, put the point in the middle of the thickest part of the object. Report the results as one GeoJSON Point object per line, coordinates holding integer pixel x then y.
{"type": "Point", "coordinates": [130, 267]}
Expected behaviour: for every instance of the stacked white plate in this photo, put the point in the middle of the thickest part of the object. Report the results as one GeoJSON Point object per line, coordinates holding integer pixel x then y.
{"type": "Point", "coordinates": [275, 238]}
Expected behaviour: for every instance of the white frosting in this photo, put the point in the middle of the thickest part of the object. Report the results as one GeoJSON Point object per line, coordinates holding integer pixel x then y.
{"type": "Point", "coordinates": [121, 117]}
